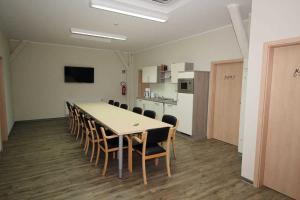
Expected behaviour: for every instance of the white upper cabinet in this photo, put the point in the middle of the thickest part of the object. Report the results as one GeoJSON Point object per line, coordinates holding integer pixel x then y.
{"type": "Point", "coordinates": [179, 67]}
{"type": "Point", "coordinates": [150, 74]}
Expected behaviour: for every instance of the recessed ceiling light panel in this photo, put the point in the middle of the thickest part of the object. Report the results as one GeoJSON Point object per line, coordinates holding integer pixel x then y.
{"type": "Point", "coordinates": [126, 9]}
{"type": "Point", "coordinates": [97, 34]}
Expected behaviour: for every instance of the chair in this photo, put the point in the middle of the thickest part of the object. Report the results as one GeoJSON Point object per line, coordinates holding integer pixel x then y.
{"type": "Point", "coordinates": [149, 147]}
{"type": "Point", "coordinates": [137, 110]}
{"type": "Point", "coordinates": [92, 137]}
{"type": "Point", "coordinates": [169, 119]}
{"type": "Point", "coordinates": [111, 102]}
{"type": "Point", "coordinates": [76, 122]}
{"type": "Point", "coordinates": [71, 116]}
{"type": "Point", "coordinates": [124, 106]}
{"type": "Point", "coordinates": [150, 113]}
{"type": "Point", "coordinates": [81, 130]}
{"type": "Point", "coordinates": [107, 143]}
{"type": "Point", "coordinates": [117, 104]}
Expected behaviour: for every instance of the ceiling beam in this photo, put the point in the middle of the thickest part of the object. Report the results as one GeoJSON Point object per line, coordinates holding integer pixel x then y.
{"type": "Point", "coordinates": [17, 50]}
{"type": "Point", "coordinates": [240, 31]}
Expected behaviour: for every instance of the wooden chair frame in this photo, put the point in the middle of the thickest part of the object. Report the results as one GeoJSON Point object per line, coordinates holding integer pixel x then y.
{"type": "Point", "coordinates": [107, 150]}
{"type": "Point", "coordinates": [173, 139]}
{"type": "Point", "coordinates": [81, 129]}
{"type": "Point", "coordinates": [166, 154]}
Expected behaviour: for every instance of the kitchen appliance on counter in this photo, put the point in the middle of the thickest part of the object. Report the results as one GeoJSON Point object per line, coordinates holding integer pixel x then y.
{"type": "Point", "coordinates": [147, 93]}
{"type": "Point", "coordinates": [186, 85]}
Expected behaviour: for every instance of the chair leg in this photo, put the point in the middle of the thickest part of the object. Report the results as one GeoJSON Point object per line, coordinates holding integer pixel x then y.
{"type": "Point", "coordinates": [82, 135]}
{"type": "Point", "coordinates": [78, 132]}
{"type": "Point", "coordinates": [156, 161]}
{"type": "Point", "coordinates": [98, 155]}
{"type": "Point", "coordinates": [144, 170]}
{"type": "Point", "coordinates": [71, 125]}
{"type": "Point", "coordinates": [130, 157]}
{"type": "Point", "coordinates": [173, 147]}
{"type": "Point", "coordinates": [105, 164]}
{"type": "Point", "coordinates": [168, 164]}
{"type": "Point", "coordinates": [73, 128]}
{"type": "Point", "coordinates": [93, 151]}
{"type": "Point", "coordinates": [87, 146]}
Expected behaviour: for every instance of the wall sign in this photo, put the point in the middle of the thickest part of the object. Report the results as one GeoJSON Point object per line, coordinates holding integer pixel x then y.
{"type": "Point", "coordinates": [297, 72]}
{"type": "Point", "coordinates": [229, 77]}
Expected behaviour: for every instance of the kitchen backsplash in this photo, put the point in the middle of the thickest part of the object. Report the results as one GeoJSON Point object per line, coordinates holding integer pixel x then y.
{"type": "Point", "coordinates": [167, 90]}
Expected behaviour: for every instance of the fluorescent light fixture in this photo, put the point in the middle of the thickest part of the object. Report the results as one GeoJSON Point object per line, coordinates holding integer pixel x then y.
{"type": "Point", "coordinates": [126, 9]}
{"type": "Point", "coordinates": [97, 34]}
{"type": "Point", "coordinates": [86, 37]}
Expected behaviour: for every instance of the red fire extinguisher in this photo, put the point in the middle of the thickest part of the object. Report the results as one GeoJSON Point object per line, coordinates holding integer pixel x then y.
{"type": "Point", "coordinates": [123, 88]}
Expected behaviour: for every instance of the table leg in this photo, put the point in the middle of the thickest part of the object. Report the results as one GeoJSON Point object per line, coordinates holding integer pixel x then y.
{"type": "Point", "coordinates": [120, 155]}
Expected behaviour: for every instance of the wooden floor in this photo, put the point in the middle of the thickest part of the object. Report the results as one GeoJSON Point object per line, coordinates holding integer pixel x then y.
{"type": "Point", "coordinates": [42, 161]}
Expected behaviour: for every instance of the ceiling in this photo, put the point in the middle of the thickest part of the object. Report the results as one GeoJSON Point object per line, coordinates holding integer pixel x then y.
{"type": "Point", "coordinates": [50, 21]}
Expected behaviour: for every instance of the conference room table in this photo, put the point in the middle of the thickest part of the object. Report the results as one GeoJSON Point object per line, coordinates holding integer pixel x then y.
{"type": "Point", "coordinates": [122, 122]}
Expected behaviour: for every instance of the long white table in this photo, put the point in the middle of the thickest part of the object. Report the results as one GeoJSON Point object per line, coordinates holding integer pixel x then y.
{"type": "Point", "coordinates": [120, 121]}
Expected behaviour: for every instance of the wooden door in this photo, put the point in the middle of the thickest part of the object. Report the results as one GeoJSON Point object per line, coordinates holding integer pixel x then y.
{"type": "Point", "coordinates": [3, 119]}
{"type": "Point", "coordinates": [282, 156]}
{"type": "Point", "coordinates": [227, 101]}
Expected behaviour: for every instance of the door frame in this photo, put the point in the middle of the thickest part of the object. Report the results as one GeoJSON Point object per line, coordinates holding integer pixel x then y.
{"type": "Point", "coordinates": [212, 93]}
{"type": "Point", "coordinates": [3, 117]}
{"type": "Point", "coordinates": [264, 104]}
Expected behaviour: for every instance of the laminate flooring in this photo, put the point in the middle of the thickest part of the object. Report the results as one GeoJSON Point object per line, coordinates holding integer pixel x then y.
{"type": "Point", "coordinates": [43, 161]}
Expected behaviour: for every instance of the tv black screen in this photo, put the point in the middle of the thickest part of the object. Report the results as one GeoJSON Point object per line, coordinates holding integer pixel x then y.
{"type": "Point", "coordinates": [79, 74]}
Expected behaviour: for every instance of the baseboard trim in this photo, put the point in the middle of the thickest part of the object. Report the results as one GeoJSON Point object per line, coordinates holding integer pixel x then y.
{"type": "Point", "coordinates": [247, 180]}
{"type": "Point", "coordinates": [44, 119]}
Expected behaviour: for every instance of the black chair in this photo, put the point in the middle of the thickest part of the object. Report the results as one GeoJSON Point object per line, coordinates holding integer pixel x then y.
{"type": "Point", "coordinates": [106, 143]}
{"type": "Point", "coordinates": [124, 106]}
{"type": "Point", "coordinates": [81, 130]}
{"type": "Point", "coordinates": [71, 116]}
{"type": "Point", "coordinates": [150, 113]}
{"type": "Point", "coordinates": [149, 147]}
{"type": "Point", "coordinates": [117, 104]}
{"type": "Point", "coordinates": [111, 102]}
{"type": "Point", "coordinates": [137, 110]}
{"type": "Point", "coordinates": [169, 119]}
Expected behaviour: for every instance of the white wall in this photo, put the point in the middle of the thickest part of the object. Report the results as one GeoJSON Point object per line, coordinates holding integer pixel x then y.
{"type": "Point", "coordinates": [202, 49]}
{"type": "Point", "coordinates": [38, 84]}
{"type": "Point", "coordinates": [4, 53]}
{"type": "Point", "coordinates": [167, 90]}
{"type": "Point", "coordinates": [270, 20]}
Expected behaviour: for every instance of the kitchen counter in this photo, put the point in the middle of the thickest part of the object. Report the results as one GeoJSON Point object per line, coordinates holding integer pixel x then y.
{"type": "Point", "coordinates": [159, 100]}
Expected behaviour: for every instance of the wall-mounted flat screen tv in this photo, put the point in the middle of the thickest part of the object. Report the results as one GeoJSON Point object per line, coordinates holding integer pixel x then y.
{"type": "Point", "coordinates": [79, 74]}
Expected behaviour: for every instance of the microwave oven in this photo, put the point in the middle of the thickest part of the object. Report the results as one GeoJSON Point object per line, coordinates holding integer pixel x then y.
{"type": "Point", "coordinates": [186, 85]}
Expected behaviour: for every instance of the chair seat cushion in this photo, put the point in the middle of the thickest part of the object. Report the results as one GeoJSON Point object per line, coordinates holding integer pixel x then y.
{"type": "Point", "coordinates": [151, 149]}
{"type": "Point", "coordinates": [114, 143]}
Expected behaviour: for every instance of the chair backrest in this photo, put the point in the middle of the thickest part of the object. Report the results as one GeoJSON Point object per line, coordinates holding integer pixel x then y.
{"type": "Point", "coordinates": [81, 118]}
{"type": "Point", "coordinates": [150, 113]}
{"type": "Point", "coordinates": [94, 129]}
{"type": "Point", "coordinates": [155, 136]}
{"type": "Point", "coordinates": [111, 102]}
{"type": "Point", "coordinates": [86, 121]}
{"type": "Point", "coordinates": [124, 106]}
{"type": "Point", "coordinates": [137, 110]}
{"type": "Point", "coordinates": [69, 106]}
{"type": "Point", "coordinates": [169, 119]}
{"type": "Point", "coordinates": [117, 104]}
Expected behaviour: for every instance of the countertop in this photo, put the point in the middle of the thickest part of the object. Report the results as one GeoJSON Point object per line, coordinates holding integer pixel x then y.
{"type": "Point", "coordinates": [159, 100]}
